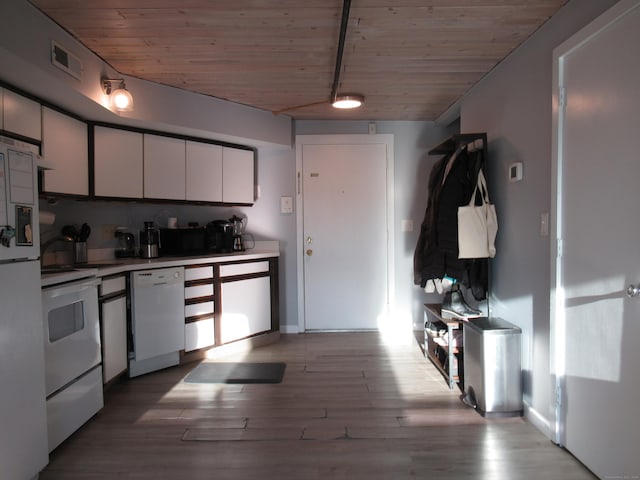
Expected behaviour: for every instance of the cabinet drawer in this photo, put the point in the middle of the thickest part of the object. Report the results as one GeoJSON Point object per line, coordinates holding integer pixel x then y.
{"type": "Point", "coordinates": [198, 273]}
{"type": "Point", "coordinates": [111, 285]}
{"type": "Point", "coordinates": [198, 291]}
{"type": "Point", "coordinates": [243, 268]}
{"type": "Point", "coordinates": [198, 309]}
{"type": "Point", "coordinates": [199, 334]}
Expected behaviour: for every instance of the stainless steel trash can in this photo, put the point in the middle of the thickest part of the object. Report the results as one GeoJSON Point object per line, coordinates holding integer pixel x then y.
{"type": "Point", "coordinates": [492, 368]}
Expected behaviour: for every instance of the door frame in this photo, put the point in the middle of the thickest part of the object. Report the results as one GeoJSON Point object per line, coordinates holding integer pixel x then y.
{"type": "Point", "coordinates": [557, 326]}
{"type": "Point", "coordinates": [349, 139]}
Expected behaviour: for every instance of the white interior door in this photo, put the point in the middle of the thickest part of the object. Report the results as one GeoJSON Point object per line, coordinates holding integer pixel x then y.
{"type": "Point", "coordinates": [596, 325]}
{"type": "Point", "coordinates": [344, 235]}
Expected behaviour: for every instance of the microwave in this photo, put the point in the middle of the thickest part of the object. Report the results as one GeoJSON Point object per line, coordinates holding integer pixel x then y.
{"type": "Point", "coordinates": [183, 241]}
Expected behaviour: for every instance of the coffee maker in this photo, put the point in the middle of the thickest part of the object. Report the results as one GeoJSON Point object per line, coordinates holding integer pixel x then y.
{"type": "Point", "coordinates": [238, 231]}
{"type": "Point", "coordinates": [219, 236]}
{"type": "Point", "coordinates": [149, 241]}
{"type": "Point", "coordinates": [125, 247]}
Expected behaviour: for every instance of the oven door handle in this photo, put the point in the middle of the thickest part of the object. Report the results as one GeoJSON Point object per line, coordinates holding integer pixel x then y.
{"type": "Point", "coordinates": [74, 287]}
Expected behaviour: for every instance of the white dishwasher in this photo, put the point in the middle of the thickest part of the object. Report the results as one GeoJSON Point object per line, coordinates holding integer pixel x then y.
{"type": "Point", "coordinates": [157, 319]}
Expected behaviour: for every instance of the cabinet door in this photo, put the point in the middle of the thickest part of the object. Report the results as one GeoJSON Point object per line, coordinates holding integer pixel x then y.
{"type": "Point", "coordinates": [204, 172]}
{"type": "Point", "coordinates": [114, 337]}
{"type": "Point", "coordinates": [246, 308]}
{"type": "Point", "coordinates": [237, 175]}
{"type": "Point", "coordinates": [164, 167]}
{"type": "Point", "coordinates": [65, 147]}
{"type": "Point", "coordinates": [21, 115]}
{"type": "Point", "coordinates": [117, 163]}
{"type": "Point", "coordinates": [200, 334]}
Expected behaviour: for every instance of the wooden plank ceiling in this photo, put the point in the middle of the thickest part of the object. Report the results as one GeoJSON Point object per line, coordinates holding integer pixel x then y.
{"type": "Point", "coordinates": [411, 59]}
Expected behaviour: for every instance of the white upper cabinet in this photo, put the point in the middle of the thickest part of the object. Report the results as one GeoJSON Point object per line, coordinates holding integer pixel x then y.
{"type": "Point", "coordinates": [65, 148]}
{"type": "Point", "coordinates": [21, 115]}
{"type": "Point", "coordinates": [164, 167]}
{"type": "Point", "coordinates": [237, 175]}
{"type": "Point", "coordinates": [118, 163]}
{"type": "Point", "coordinates": [204, 172]}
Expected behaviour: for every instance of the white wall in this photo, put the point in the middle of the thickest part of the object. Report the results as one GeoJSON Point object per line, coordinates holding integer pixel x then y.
{"type": "Point", "coordinates": [513, 105]}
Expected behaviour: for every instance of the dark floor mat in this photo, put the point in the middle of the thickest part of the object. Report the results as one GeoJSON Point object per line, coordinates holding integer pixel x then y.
{"type": "Point", "coordinates": [215, 372]}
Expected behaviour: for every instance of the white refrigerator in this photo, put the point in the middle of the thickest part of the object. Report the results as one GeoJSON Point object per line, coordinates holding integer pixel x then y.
{"type": "Point", "coordinates": [23, 423]}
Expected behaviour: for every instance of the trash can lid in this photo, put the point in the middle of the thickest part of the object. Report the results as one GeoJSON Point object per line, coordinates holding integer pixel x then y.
{"type": "Point", "coordinates": [494, 324]}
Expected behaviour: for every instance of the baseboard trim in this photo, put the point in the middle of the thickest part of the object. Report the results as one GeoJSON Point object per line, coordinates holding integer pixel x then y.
{"type": "Point", "coordinates": [289, 329]}
{"type": "Point", "coordinates": [538, 420]}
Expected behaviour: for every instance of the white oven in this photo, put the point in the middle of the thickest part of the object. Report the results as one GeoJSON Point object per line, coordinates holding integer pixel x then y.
{"type": "Point", "coordinates": [73, 373]}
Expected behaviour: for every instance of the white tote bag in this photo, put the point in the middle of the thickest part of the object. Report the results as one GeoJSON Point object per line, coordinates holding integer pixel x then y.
{"type": "Point", "coordinates": [477, 225]}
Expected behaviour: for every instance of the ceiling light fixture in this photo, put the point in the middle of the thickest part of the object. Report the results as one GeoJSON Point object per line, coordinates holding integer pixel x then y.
{"type": "Point", "coordinates": [121, 99]}
{"type": "Point", "coordinates": [343, 100]}
{"type": "Point", "coordinates": [350, 100]}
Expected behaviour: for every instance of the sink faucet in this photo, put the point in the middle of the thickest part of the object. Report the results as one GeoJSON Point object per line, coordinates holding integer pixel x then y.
{"type": "Point", "coordinates": [45, 246]}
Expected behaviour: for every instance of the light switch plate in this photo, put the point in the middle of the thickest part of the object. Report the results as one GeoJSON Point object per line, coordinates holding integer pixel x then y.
{"type": "Point", "coordinates": [406, 226]}
{"type": "Point", "coordinates": [544, 224]}
{"type": "Point", "coordinates": [286, 205]}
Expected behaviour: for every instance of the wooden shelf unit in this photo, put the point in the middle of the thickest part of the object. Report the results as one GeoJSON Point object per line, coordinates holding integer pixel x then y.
{"type": "Point", "coordinates": [436, 347]}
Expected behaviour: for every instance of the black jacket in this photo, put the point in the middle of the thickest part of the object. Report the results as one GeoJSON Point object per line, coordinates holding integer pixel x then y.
{"type": "Point", "coordinates": [436, 253]}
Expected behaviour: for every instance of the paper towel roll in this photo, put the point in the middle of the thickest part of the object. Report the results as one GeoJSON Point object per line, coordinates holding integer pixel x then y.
{"type": "Point", "coordinates": [47, 218]}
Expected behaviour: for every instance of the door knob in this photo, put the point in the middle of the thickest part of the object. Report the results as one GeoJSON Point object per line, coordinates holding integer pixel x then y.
{"type": "Point", "coordinates": [309, 252]}
{"type": "Point", "coordinates": [633, 291]}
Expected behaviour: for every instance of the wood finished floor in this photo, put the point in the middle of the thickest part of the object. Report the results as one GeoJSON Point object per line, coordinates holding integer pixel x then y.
{"type": "Point", "coordinates": [349, 407]}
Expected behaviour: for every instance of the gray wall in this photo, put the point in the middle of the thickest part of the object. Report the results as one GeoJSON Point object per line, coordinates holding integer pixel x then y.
{"type": "Point", "coordinates": [412, 140]}
{"type": "Point", "coordinates": [513, 105]}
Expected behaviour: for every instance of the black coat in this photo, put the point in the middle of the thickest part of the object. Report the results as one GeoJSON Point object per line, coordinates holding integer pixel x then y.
{"type": "Point", "coordinates": [436, 254]}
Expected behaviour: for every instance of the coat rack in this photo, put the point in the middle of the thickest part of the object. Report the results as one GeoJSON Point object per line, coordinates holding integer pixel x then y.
{"type": "Point", "coordinates": [453, 142]}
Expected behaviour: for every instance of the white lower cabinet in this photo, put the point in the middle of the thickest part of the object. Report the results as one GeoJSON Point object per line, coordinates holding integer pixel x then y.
{"type": "Point", "coordinates": [199, 328]}
{"type": "Point", "coordinates": [113, 315]}
{"type": "Point", "coordinates": [246, 308]}
{"type": "Point", "coordinates": [199, 334]}
{"type": "Point", "coordinates": [222, 304]}
{"type": "Point", "coordinates": [114, 337]}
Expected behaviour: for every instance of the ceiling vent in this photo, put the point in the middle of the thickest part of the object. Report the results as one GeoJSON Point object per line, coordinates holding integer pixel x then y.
{"type": "Point", "coordinates": [65, 60]}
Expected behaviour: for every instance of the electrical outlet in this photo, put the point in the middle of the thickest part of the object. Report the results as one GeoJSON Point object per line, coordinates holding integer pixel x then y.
{"type": "Point", "coordinates": [286, 205]}
{"type": "Point", "coordinates": [108, 231]}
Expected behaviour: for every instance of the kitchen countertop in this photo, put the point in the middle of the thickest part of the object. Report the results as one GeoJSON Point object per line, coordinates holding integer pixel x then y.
{"type": "Point", "coordinates": [122, 265]}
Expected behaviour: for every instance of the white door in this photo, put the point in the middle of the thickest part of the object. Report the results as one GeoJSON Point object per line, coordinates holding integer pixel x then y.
{"type": "Point", "coordinates": [596, 325]}
{"type": "Point", "coordinates": [345, 247]}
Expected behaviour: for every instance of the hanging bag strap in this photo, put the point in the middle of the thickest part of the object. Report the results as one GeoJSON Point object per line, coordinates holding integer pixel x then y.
{"type": "Point", "coordinates": [481, 185]}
